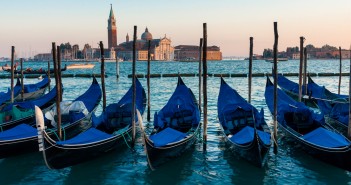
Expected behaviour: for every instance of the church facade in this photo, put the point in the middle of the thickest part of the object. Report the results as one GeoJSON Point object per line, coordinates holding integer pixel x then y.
{"type": "Point", "coordinates": [160, 49]}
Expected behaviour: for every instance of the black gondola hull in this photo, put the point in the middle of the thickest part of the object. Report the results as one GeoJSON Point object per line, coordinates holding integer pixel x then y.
{"type": "Point", "coordinates": [58, 157]}
{"type": "Point", "coordinates": [9, 148]}
{"type": "Point", "coordinates": [338, 157]}
{"type": "Point", "coordinates": [160, 155]}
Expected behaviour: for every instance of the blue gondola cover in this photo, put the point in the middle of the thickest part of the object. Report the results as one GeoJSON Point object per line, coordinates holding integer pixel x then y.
{"type": "Point", "coordinates": [89, 136]}
{"type": "Point", "coordinates": [325, 138]}
{"type": "Point", "coordinates": [246, 135]}
{"type": "Point", "coordinates": [167, 136]}
{"type": "Point", "coordinates": [18, 132]}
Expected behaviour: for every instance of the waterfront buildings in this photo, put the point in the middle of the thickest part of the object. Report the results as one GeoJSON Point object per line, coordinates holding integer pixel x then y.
{"type": "Point", "coordinates": [191, 53]}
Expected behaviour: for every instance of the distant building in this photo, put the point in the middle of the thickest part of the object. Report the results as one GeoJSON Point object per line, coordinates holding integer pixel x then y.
{"type": "Point", "coordinates": [112, 30]}
{"type": "Point", "coordinates": [191, 53]}
{"type": "Point", "coordinates": [160, 49]}
{"type": "Point", "coordinates": [43, 56]}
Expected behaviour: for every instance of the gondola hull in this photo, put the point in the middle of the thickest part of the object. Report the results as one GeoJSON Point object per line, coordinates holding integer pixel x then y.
{"type": "Point", "coordinates": [254, 152]}
{"type": "Point", "coordinates": [9, 148]}
{"type": "Point", "coordinates": [160, 155]}
{"type": "Point", "coordinates": [339, 157]}
{"type": "Point", "coordinates": [58, 157]}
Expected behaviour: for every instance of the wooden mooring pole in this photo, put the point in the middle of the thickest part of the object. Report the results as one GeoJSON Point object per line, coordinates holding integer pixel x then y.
{"type": "Point", "coordinates": [22, 85]}
{"type": "Point", "coordinates": [48, 74]}
{"type": "Point", "coordinates": [12, 72]}
{"type": "Point", "coordinates": [200, 74]}
{"type": "Point", "coordinates": [117, 67]}
{"type": "Point", "coordinates": [349, 127]}
{"type": "Point", "coordinates": [275, 123]}
{"type": "Point", "coordinates": [301, 67]}
{"type": "Point", "coordinates": [250, 68]}
{"type": "Point", "coordinates": [148, 81]}
{"type": "Point", "coordinates": [103, 76]}
{"type": "Point", "coordinates": [204, 61]}
{"type": "Point", "coordinates": [340, 69]}
{"type": "Point", "coordinates": [305, 71]}
{"type": "Point", "coordinates": [59, 72]}
{"type": "Point", "coordinates": [134, 87]}
{"type": "Point", "coordinates": [57, 81]}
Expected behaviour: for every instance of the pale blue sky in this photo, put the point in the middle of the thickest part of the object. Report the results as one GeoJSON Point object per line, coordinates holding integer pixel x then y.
{"type": "Point", "coordinates": [31, 25]}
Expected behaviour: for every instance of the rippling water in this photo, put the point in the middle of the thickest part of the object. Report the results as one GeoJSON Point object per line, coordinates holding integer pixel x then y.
{"type": "Point", "coordinates": [215, 165]}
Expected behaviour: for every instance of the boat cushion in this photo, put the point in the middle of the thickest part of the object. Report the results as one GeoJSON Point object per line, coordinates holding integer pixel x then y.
{"type": "Point", "coordinates": [20, 131]}
{"type": "Point", "coordinates": [246, 135]}
{"type": "Point", "coordinates": [326, 138]}
{"type": "Point", "coordinates": [167, 136]}
{"type": "Point", "coordinates": [89, 136]}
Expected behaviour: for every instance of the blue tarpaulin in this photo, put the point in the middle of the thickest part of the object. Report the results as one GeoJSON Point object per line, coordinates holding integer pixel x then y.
{"type": "Point", "coordinates": [246, 135]}
{"type": "Point", "coordinates": [326, 138]}
{"type": "Point", "coordinates": [167, 136]}
{"type": "Point", "coordinates": [89, 136]}
{"type": "Point", "coordinates": [18, 132]}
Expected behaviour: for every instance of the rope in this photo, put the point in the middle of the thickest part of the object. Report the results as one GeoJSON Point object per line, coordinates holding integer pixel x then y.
{"type": "Point", "coordinates": [126, 140]}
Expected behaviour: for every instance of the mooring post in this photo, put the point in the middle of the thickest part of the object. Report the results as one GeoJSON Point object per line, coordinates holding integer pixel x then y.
{"type": "Point", "coordinates": [349, 127]}
{"type": "Point", "coordinates": [148, 81]}
{"type": "Point", "coordinates": [300, 68]}
{"type": "Point", "coordinates": [340, 69]}
{"type": "Point", "coordinates": [12, 72]}
{"type": "Point", "coordinates": [134, 87]}
{"type": "Point", "coordinates": [59, 72]}
{"type": "Point", "coordinates": [250, 68]}
{"type": "Point", "coordinates": [275, 123]}
{"type": "Point", "coordinates": [103, 76]}
{"type": "Point", "coordinates": [200, 73]}
{"type": "Point", "coordinates": [204, 61]}
{"type": "Point", "coordinates": [57, 81]}
{"type": "Point", "coordinates": [49, 75]}
{"type": "Point", "coordinates": [22, 85]}
{"type": "Point", "coordinates": [117, 67]}
{"type": "Point", "coordinates": [305, 71]}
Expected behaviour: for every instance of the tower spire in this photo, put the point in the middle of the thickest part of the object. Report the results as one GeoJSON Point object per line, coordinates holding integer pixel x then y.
{"type": "Point", "coordinates": [111, 13]}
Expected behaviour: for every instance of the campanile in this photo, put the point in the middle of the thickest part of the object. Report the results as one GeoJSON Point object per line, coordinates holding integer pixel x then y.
{"type": "Point", "coordinates": [112, 30]}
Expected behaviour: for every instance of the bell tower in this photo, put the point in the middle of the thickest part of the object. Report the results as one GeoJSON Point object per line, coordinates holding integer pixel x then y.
{"type": "Point", "coordinates": [112, 30]}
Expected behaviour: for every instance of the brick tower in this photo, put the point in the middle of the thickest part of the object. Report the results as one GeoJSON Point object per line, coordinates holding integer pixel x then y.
{"type": "Point", "coordinates": [112, 30]}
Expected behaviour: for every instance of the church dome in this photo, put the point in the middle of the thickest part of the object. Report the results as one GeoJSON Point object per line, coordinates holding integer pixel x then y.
{"type": "Point", "coordinates": [146, 35]}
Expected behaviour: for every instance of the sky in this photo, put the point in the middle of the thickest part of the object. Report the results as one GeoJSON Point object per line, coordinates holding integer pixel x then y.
{"type": "Point", "coordinates": [31, 26]}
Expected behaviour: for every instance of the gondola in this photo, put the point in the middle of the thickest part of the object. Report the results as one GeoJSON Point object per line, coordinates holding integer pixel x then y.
{"type": "Point", "coordinates": [310, 130]}
{"type": "Point", "coordinates": [24, 138]}
{"type": "Point", "coordinates": [245, 131]}
{"type": "Point", "coordinates": [35, 71]}
{"type": "Point", "coordinates": [314, 92]}
{"type": "Point", "coordinates": [31, 91]}
{"type": "Point", "coordinates": [334, 106]}
{"type": "Point", "coordinates": [176, 127]}
{"type": "Point", "coordinates": [13, 114]}
{"type": "Point", "coordinates": [111, 130]}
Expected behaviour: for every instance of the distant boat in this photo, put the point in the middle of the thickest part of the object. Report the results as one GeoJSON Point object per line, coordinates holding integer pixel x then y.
{"type": "Point", "coordinates": [278, 59]}
{"type": "Point", "coordinates": [80, 66]}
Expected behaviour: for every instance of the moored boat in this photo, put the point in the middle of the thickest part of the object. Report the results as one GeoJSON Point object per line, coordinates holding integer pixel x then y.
{"type": "Point", "coordinates": [310, 130]}
{"type": "Point", "coordinates": [245, 131]}
{"type": "Point", "coordinates": [81, 66]}
{"type": "Point", "coordinates": [111, 130]}
{"type": "Point", "coordinates": [176, 127]}
{"type": "Point", "coordinates": [75, 119]}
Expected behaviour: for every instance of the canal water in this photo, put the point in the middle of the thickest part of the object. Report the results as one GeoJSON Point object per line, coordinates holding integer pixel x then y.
{"type": "Point", "coordinates": [215, 165]}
